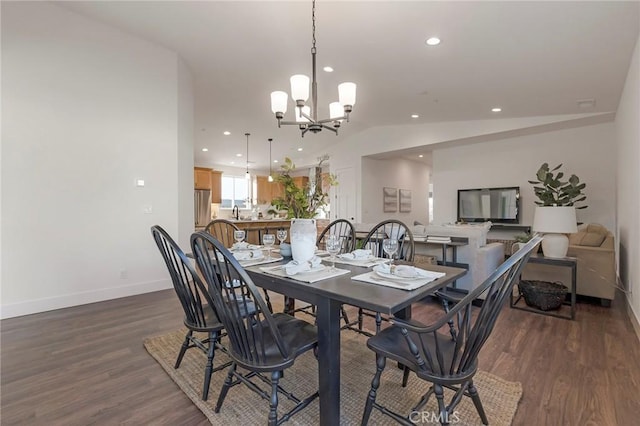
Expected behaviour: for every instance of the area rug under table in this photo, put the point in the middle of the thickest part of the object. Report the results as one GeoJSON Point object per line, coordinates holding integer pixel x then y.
{"type": "Point", "coordinates": [243, 407]}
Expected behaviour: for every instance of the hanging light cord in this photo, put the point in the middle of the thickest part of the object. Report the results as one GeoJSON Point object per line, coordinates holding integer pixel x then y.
{"type": "Point", "coordinates": [247, 135]}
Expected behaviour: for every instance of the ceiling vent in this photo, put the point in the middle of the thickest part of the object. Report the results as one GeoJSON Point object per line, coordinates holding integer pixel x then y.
{"type": "Point", "coordinates": [586, 103]}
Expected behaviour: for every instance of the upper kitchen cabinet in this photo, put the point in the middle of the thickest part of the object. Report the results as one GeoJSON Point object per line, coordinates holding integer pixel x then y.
{"type": "Point", "coordinates": [216, 187]}
{"type": "Point", "coordinates": [202, 178]}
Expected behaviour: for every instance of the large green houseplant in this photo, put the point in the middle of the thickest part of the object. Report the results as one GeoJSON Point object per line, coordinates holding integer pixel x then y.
{"type": "Point", "coordinates": [302, 202]}
{"type": "Point", "coordinates": [552, 190]}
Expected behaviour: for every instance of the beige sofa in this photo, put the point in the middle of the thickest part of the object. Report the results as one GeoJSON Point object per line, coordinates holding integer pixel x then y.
{"type": "Point", "coordinates": [593, 246]}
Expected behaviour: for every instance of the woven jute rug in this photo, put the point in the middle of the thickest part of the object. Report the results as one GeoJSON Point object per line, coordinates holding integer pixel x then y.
{"type": "Point", "coordinates": [243, 407]}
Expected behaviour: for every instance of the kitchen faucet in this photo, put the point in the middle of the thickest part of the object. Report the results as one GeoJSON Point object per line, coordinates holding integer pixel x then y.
{"type": "Point", "coordinates": [236, 212]}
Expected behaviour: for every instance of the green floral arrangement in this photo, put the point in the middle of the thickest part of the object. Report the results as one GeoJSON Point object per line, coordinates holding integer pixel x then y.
{"type": "Point", "coordinates": [302, 202]}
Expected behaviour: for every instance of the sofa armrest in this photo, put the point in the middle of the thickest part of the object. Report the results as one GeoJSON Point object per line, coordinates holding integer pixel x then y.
{"type": "Point", "coordinates": [489, 258]}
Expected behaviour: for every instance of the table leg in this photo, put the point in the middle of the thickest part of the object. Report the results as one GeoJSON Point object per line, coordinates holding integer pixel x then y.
{"type": "Point", "coordinates": [573, 290]}
{"type": "Point", "coordinates": [328, 323]}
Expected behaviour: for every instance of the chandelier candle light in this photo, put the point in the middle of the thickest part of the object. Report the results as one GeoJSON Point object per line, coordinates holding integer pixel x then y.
{"type": "Point", "coordinates": [307, 116]}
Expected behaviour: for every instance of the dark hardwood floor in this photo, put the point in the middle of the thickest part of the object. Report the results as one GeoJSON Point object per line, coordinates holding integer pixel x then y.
{"type": "Point", "coordinates": [87, 365]}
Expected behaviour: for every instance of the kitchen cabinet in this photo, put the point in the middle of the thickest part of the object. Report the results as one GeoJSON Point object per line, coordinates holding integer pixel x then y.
{"type": "Point", "coordinates": [202, 178]}
{"type": "Point", "coordinates": [216, 187]}
{"type": "Point", "coordinates": [267, 191]}
{"type": "Point", "coordinates": [301, 181]}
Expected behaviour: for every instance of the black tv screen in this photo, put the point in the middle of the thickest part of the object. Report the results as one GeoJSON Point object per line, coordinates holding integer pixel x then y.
{"type": "Point", "coordinates": [498, 205]}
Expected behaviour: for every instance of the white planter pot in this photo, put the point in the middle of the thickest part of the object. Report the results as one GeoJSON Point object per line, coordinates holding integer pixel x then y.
{"type": "Point", "coordinates": [303, 234]}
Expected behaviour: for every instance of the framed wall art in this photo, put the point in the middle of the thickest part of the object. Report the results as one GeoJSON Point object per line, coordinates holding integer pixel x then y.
{"type": "Point", "coordinates": [405, 200]}
{"type": "Point", "coordinates": [389, 200]}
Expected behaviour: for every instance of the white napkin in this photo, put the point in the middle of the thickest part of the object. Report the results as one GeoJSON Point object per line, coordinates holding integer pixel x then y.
{"type": "Point", "coordinates": [356, 255]}
{"type": "Point", "coordinates": [403, 271]}
{"type": "Point", "coordinates": [243, 245]}
{"type": "Point", "coordinates": [295, 267]}
{"type": "Point", "coordinates": [248, 254]}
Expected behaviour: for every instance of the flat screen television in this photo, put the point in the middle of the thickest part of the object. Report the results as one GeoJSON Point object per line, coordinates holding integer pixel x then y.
{"type": "Point", "coordinates": [498, 205]}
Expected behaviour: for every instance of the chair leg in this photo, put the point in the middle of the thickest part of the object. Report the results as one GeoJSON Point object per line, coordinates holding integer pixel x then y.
{"type": "Point", "coordinates": [444, 416]}
{"type": "Point", "coordinates": [375, 383]}
{"type": "Point", "coordinates": [452, 328]}
{"type": "Point", "coordinates": [183, 349]}
{"type": "Point", "coordinates": [360, 318]}
{"type": "Point", "coordinates": [225, 387]}
{"type": "Point", "coordinates": [213, 336]}
{"type": "Point", "coordinates": [273, 403]}
{"type": "Point", "coordinates": [378, 322]}
{"type": "Point", "coordinates": [405, 376]}
{"type": "Point", "coordinates": [343, 313]}
{"type": "Point", "coordinates": [476, 401]}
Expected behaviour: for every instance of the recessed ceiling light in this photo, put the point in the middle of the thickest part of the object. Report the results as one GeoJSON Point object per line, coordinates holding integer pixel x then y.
{"type": "Point", "coordinates": [238, 155]}
{"type": "Point", "coordinates": [205, 149]}
{"type": "Point", "coordinates": [420, 156]}
{"type": "Point", "coordinates": [433, 41]}
{"type": "Point", "coordinates": [299, 149]}
{"type": "Point", "coordinates": [275, 161]}
{"type": "Point", "coordinates": [496, 109]}
{"type": "Point", "coordinates": [414, 116]}
{"type": "Point", "coordinates": [233, 162]}
{"type": "Point", "coordinates": [328, 69]}
{"type": "Point", "coordinates": [226, 133]}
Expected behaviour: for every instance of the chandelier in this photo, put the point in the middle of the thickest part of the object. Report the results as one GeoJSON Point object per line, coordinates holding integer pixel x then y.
{"type": "Point", "coordinates": [306, 116]}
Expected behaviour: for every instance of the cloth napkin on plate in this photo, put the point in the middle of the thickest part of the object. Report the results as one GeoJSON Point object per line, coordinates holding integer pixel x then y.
{"type": "Point", "coordinates": [243, 245]}
{"type": "Point", "coordinates": [358, 254]}
{"type": "Point", "coordinates": [248, 254]}
{"type": "Point", "coordinates": [408, 271]}
{"type": "Point", "coordinates": [295, 267]}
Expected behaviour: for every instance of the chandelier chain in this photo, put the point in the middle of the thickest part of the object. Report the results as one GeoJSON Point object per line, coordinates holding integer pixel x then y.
{"type": "Point", "coordinates": [313, 21]}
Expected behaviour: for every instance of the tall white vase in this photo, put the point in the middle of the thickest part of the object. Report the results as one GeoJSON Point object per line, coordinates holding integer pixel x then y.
{"type": "Point", "coordinates": [303, 234]}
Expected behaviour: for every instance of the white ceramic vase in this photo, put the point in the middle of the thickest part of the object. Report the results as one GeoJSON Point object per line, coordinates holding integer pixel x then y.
{"type": "Point", "coordinates": [303, 234]}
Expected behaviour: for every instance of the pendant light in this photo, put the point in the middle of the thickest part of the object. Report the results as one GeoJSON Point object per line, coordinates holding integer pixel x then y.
{"type": "Point", "coordinates": [270, 177]}
{"type": "Point", "coordinates": [247, 176]}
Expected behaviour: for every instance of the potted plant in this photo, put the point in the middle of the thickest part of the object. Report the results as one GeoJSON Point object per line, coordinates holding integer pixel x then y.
{"type": "Point", "coordinates": [555, 214]}
{"type": "Point", "coordinates": [553, 191]}
{"type": "Point", "coordinates": [302, 202]}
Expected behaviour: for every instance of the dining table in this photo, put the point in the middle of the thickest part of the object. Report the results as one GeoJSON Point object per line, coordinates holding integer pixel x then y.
{"type": "Point", "coordinates": [328, 295]}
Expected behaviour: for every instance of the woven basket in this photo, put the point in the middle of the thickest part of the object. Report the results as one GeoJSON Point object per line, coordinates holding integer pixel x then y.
{"type": "Point", "coordinates": [543, 295]}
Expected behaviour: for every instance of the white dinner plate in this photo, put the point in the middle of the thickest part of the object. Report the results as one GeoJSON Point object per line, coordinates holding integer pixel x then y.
{"type": "Point", "coordinates": [402, 273]}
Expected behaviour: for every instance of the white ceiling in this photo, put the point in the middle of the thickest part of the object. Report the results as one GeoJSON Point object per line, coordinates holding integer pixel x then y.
{"type": "Point", "coordinates": [530, 58]}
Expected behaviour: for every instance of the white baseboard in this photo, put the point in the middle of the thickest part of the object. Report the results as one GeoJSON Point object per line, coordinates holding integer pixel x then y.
{"type": "Point", "coordinates": [67, 300]}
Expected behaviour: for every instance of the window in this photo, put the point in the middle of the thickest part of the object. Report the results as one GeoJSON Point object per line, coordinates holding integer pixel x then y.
{"type": "Point", "coordinates": [235, 192]}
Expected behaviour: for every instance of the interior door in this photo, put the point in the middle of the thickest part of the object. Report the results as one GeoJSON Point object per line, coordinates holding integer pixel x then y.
{"type": "Point", "coordinates": [345, 195]}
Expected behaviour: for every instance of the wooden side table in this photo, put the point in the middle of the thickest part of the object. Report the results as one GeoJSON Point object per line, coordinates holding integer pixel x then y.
{"type": "Point", "coordinates": [569, 262]}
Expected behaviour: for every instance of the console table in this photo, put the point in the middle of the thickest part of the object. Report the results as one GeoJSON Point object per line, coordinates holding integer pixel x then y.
{"type": "Point", "coordinates": [568, 262]}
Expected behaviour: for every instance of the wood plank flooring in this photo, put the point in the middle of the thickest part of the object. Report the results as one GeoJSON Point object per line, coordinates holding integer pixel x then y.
{"type": "Point", "coordinates": [87, 365]}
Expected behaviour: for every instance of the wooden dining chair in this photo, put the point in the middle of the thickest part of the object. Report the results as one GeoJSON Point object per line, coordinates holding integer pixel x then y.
{"type": "Point", "coordinates": [391, 228]}
{"type": "Point", "coordinates": [199, 316]}
{"type": "Point", "coordinates": [222, 230]}
{"type": "Point", "coordinates": [262, 343]}
{"type": "Point", "coordinates": [437, 358]}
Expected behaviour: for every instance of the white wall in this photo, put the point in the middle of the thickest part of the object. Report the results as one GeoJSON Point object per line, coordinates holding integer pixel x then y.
{"type": "Point", "coordinates": [87, 110]}
{"type": "Point", "coordinates": [347, 153]}
{"type": "Point", "coordinates": [628, 183]}
{"type": "Point", "coordinates": [185, 112]}
{"type": "Point", "coordinates": [400, 174]}
{"type": "Point", "coordinates": [588, 152]}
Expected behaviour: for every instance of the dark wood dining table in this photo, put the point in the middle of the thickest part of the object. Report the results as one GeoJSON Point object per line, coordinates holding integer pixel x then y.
{"type": "Point", "coordinates": [328, 295]}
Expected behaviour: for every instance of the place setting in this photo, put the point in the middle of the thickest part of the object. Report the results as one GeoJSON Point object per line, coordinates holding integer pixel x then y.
{"type": "Point", "coordinates": [252, 254]}
{"type": "Point", "coordinates": [307, 266]}
{"type": "Point", "coordinates": [406, 277]}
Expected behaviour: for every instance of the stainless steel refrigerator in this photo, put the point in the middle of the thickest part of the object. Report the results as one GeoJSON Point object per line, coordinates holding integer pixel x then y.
{"type": "Point", "coordinates": [202, 206]}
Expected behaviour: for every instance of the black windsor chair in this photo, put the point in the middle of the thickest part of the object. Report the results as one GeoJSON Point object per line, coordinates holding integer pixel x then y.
{"type": "Point", "coordinates": [198, 316]}
{"type": "Point", "coordinates": [438, 358]}
{"type": "Point", "coordinates": [259, 342]}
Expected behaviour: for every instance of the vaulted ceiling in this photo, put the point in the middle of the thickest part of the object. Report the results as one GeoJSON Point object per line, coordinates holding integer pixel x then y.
{"type": "Point", "coordinates": [528, 58]}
